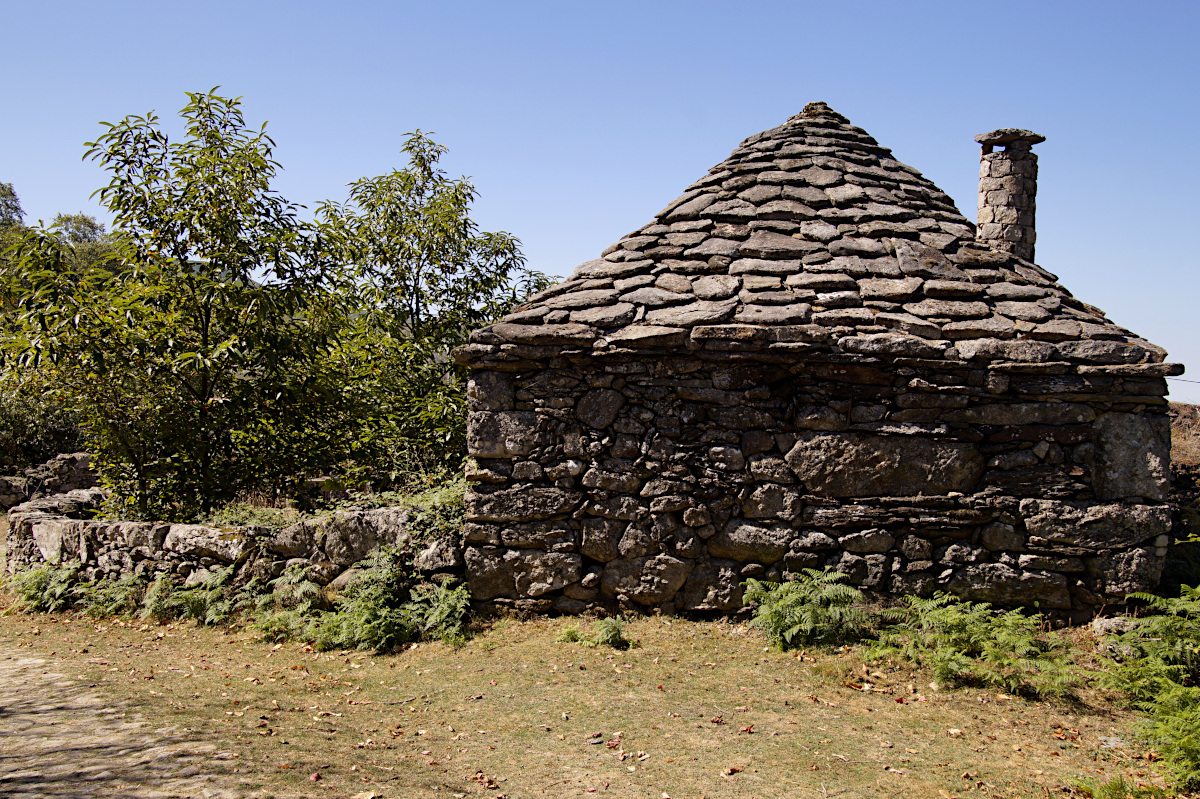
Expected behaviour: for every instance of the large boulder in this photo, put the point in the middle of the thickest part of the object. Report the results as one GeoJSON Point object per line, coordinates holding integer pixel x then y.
{"type": "Point", "coordinates": [863, 465]}
{"type": "Point", "coordinates": [1001, 584]}
{"type": "Point", "coordinates": [647, 580]}
{"type": "Point", "coordinates": [226, 544]}
{"type": "Point", "coordinates": [713, 585]}
{"type": "Point", "coordinates": [1112, 526]}
{"type": "Point", "coordinates": [494, 573]}
{"type": "Point", "coordinates": [743, 541]}
{"type": "Point", "coordinates": [1133, 456]}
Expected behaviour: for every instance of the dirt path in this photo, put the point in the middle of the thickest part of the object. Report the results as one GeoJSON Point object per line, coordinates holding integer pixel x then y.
{"type": "Point", "coordinates": [59, 738]}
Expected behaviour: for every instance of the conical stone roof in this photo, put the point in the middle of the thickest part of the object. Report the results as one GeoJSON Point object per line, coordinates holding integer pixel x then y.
{"type": "Point", "coordinates": [812, 237]}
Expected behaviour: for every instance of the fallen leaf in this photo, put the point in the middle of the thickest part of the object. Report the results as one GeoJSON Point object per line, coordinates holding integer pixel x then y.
{"type": "Point", "coordinates": [749, 728]}
{"type": "Point", "coordinates": [729, 772]}
{"type": "Point", "coordinates": [316, 775]}
{"type": "Point", "coordinates": [954, 732]}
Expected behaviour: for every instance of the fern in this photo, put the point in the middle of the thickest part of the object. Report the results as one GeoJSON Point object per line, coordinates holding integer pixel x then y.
{"type": "Point", "coordinates": [158, 603]}
{"type": "Point", "coordinates": [817, 608]}
{"type": "Point", "coordinates": [378, 610]}
{"type": "Point", "coordinates": [969, 643]}
{"type": "Point", "coordinates": [46, 589]}
{"type": "Point", "coordinates": [571, 634]}
{"type": "Point", "coordinates": [112, 597]}
{"type": "Point", "coordinates": [440, 611]}
{"type": "Point", "coordinates": [1160, 671]}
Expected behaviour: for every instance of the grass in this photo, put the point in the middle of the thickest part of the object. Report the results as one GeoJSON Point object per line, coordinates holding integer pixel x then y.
{"type": "Point", "coordinates": [695, 709]}
{"type": "Point", "coordinates": [1185, 434]}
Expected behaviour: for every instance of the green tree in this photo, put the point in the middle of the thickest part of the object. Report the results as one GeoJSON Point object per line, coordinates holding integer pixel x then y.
{"type": "Point", "coordinates": [11, 214]}
{"type": "Point", "coordinates": [187, 345]}
{"type": "Point", "coordinates": [422, 275]}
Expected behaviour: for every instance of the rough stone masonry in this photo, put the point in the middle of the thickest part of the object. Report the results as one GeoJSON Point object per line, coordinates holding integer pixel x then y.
{"type": "Point", "coordinates": [811, 359]}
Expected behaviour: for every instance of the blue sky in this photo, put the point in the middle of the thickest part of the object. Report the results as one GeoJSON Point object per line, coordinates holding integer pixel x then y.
{"type": "Point", "coordinates": [578, 121]}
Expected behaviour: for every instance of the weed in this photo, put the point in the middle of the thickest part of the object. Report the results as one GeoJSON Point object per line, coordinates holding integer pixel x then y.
{"type": "Point", "coordinates": [605, 632]}
{"type": "Point", "coordinates": [817, 608]}
{"type": "Point", "coordinates": [1118, 788]}
{"type": "Point", "coordinates": [967, 643]}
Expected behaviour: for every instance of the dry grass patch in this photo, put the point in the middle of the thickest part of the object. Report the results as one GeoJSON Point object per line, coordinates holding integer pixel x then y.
{"type": "Point", "coordinates": [693, 709]}
{"type": "Point", "coordinates": [1185, 434]}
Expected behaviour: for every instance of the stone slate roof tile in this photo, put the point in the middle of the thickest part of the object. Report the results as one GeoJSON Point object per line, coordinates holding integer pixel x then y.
{"type": "Point", "coordinates": [812, 236]}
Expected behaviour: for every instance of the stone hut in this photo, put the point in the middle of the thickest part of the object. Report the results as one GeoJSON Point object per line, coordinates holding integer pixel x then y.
{"type": "Point", "coordinates": [809, 359]}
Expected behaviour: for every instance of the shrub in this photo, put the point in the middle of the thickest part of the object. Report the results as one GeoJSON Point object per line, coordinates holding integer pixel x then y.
{"type": "Point", "coordinates": [1159, 669]}
{"type": "Point", "coordinates": [45, 589]}
{"type": "Point", "coordinates": [379, 610]}
{"type": "Point", "coordinates": [112, 597]}
{"type": "Point", "coordinates": [817, 608]}
{"type": "Point", "coordinates": [37, 421]}
{"type": "Point", "coordinates": [969, 643]}
{"type": "Point", "coordinates": [609, 631]}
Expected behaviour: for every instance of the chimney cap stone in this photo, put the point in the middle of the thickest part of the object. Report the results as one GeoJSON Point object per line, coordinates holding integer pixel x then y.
{"type": "Point", "coordinates": [1008, 136]}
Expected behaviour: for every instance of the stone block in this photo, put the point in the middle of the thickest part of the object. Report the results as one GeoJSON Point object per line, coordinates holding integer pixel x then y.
{"type": "Point", "coordinates": [1001, 584]}
{"type": "Point", "coordinates": [501, 434]}
{"type": "Point", "coordinates": [773, 501]}
{"type": "Point", "coordinates": [490, 391]}
{"type": "Point", "coordinates": [868, 542]}
{"type": "Point", "coordinates": [1132, 456]}
{"type": "Point", "coordinates": [599, 407]}
{"type": "Point", "coordinates": [863, 465]}
{"type": "Point", "coordinates": [1137, 569]}
{"type": "Point", "coordinates": [519, 504]}
{"type": "Point", "coordinates": [1024, 413]}
{"type": "Point", "coordinates": [713, 585]}
{"type": "Point", "coordinates": [1111, 526]}
{"type": "Point", "coordinates": [647, 581]}
{"type": "Point", "coordinates": [57, 539]}
{"type": "Point", "coordinates": [998, 536]}
{"type": "Point", "coordinates": [742, 541]}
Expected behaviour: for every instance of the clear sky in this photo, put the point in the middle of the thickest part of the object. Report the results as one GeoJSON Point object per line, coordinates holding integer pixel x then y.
{"type": "Point", "coordinates": [578, 121]}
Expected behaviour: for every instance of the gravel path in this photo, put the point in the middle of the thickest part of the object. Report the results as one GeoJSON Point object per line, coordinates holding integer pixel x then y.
{"type": "Point", "coordinates": [60, 739]}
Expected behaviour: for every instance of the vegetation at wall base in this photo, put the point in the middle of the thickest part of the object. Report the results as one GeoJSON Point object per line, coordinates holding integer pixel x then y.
{"type": "Point", "coordinates": [971, 643]}
{"type": "Point", "coordinates": [817, 608]}
{"type": "Point", "coordinates": [383, 607]}
{"type": "Point", "coordinates": [1158, 668]}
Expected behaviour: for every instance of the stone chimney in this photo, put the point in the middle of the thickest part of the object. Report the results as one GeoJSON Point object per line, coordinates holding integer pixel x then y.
{"type": "Point", "coordinates": [1008, 190]}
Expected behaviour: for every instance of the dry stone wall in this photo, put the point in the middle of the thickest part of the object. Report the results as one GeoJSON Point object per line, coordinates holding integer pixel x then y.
{"type": "Point", "coordinates": [664, 480]}
{"type": "Point", "coordinates": [809, 360]}
{"type": "Point", "coordinates": [62, 530]}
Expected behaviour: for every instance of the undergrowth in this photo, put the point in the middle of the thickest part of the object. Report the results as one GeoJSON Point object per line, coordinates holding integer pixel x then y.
{"type": "Point", "coordinates": [385, 606]}
{"type": "Point", "coordinates": [1118, 788]}
{"type": "Point", "coordinates": [608, 631]}
{"type": "Point", "coordinates": [970, 643]}
{"type": "Point", "coordinates": [817, 608]}
{"type": "Point", "coordinates": [1158, 668]}
{"type": "Point", "coordinates": [382, 608]}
